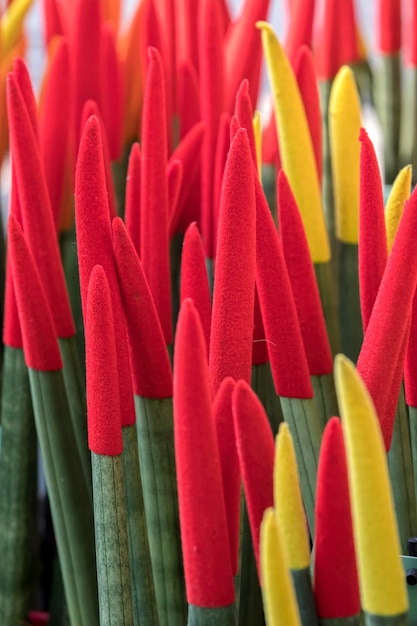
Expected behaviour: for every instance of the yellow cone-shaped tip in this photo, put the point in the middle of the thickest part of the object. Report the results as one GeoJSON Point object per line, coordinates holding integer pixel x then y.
{"type": "Point", "coordinates": [377, 545]}
{"type": "Point", "coordinates": [288, 503]}
{"type": "Point", "coordinates": [12, 22]}
{"type": "Point", "coordinates": [397, 198]}
{"type": "Point", "coordinates": [257, 130]}
{"type": "Point", "coordinates": [296, 147]}
{"type": "Point", "coordinates": [344, 127]}
{"type": "Point", "coordinates": [278, 594]}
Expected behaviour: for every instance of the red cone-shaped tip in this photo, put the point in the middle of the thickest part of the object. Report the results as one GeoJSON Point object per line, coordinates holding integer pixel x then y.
{"type": "Point", "coordinates": [336, 585]}
{"type": "Point", "coordinates": [205, 541]}
{"type": "Point", "coordinates": [103, 405]}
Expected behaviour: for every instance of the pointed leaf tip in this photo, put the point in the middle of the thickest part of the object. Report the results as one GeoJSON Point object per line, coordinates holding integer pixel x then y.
{"type": "Point", "coordinates": [336, 584]}
{"type": "Point", "coordinates": [205, 540]}
{"type": "Point", "coordinates": [103, 407]}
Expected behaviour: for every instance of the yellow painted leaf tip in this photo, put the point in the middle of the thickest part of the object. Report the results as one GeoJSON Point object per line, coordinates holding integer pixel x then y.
{"type": "Point", "coordinates": [277, 588]}
{"type": "Point", "coordinates": [397, 198]}
{"type": "Point", "coordinates": [257, 131]}
{"type": "Point", "coordinates": [11, 23]}
{"type": "Point", "coordinates": [288, 502]}
{"type": "Point", "coordinates": [296, 148]}
{"type": "Point", "coordinates": [344, 126]}
{"type": "Point", "coordinates": [381, 576]}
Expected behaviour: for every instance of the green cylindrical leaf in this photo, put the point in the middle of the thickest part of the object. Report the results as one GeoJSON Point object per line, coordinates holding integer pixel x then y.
{"type": "Point", "coordinates": [224, 616]}
{"type": "Point", "coordinates": [113, 569]}
{"type": "Point", "coordinates": [18, 489]}
{"type": "Point", "coordinates": [408, 137]}
{"type": "Point", "coordinates": [388, 99]}
{"type": "Point", "coordinates": [328, 296]}
{"type": "Point", "coordinates": [263, 386]}
{"type": "Point", "coordinates": [342, 621]}
{"type": "Point", "coordinates": [68, 247]}
{"type": "Point", "coordinates": [143, 589]}
{"type": "Point", "coordinates": [250, 605]}
{"type": "Point", "coordinates": [301, 416]}
{"type": "Point", "coordinates": [75, 387]}
{"type": "Point", "coordinates": [400, 461]}
{"type": "Point", "coordinates": [269, 185]}
{"type": "Point", "coordinates": [325, 398]}
{"type": "Point", "coordinates": [325, 87]}
{"type": "Point", "coordinates": [157, 466]}
{"type": "Point", "coordinates": [71, 504]}
{"type": "Point", "coordinates": [305, 597]}
{"type": "Point", "coordinates": [386, 620]}
{"type": "Point", "coordinates": [350, 318]}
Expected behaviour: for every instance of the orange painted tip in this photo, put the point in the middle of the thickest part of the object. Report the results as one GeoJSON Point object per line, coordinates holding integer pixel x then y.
{"type": "Point", "coordinates": [305, 73]}
{"type": "Point", "coordinates": [229, 462]}
{"type": "Point", "coordinates": [234, 283]}
{"type": "Point", "coordinates": [112, 91]}
{"type": "Point", "coordinates": [154, 193]}
{"type": "Point", "coordinates": [175, 172]}
{"type": "Point", "coordinates": [336, 586]}
{"type": "Point", "coordinates": [37, 218]}
{"type": "Point", "coordinates": [40, 343]}
{"type": "Point", "coordinates": [53, 19]}
{"type": "Point", "coordinates": [188, 153]}
{"type": "Point", "coordinates": [212, 88]}
{"type": "Point", "coordinates": [300, 30]}
{"type": "Point", "coordinates": [194, 279]}
{"type": "Point", "coordinates": [111, 10]}
{"type": "Point", "coordinates": [282, 330]}
{"type": "Point", "coordinates": [151, 369]}
{"type": "Point", "coordinates": [203, 521]}
{"type": "Point", "coordinates": [372, 234]}
{"type": "Point", "coordinates": [410, 33]}
{"type": "Point", "coordinates": [91, 108]}
{"type": "Point", "coordinates": [389, 26]}
{"type": "Point", "coordinates": [94, 247]}
{"type": "Point", "coordinates": [86, 56]}
{"type": "Point", "coordinates": [132, 200]}
{"type": "Point", "coordinates": [103, 406]}
{"type": "Point", "coordinates": [389, 323]}
{"type": "Point", "coordinates": [256, 450]}
{"type": "Point", "coordinates": [244, 114]}
{"type": "Point", "coordinates": [303, 281]}
{"type": "Point", "coordinates": [53, 126]}
{"type": "Point", "coordinates": [243, 51]}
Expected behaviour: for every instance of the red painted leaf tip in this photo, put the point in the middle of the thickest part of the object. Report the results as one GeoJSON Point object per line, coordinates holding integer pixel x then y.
{"type": "Point", "coordinates": [205, 541]}
{"type": "Point", "coordinates": [223, 419]}
{"type": "Point", "coordinates": [38, 331]}
{"type": "Point", "coordinates": [194, 279]}
{"type": "Point", "coordinates": [389, 33]}
{"type": "Point", "coordinates": [303, 281]}
{"type": "Point", "coordinates": [389, 323]}
{"type": "Point", "coordinates": [151, 369]}
{"type": "Point", "coordinates": [256, 449]}
{"type": "Point", "coordinates": [36, 213]}
{"type": "Point", "coordinates": [234, 285]}
{"type": "Point", "coordinates": [103, 406]}
{"type": "Point", "coordinates": [336, 585]}
{"type": "Point", "coordinates": [372, 233]}
{"type": "Point", "coordinates": [282, 330]}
